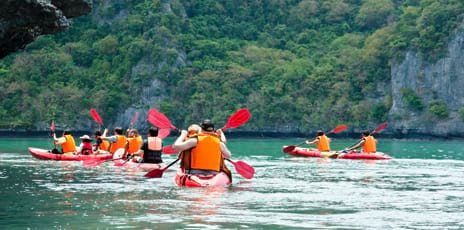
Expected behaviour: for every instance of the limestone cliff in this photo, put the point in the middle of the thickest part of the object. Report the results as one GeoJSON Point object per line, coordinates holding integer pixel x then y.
{"type": "Point", "coordinates": [21, 21]}
{"type": "Point", "coordinates": [441, 83]}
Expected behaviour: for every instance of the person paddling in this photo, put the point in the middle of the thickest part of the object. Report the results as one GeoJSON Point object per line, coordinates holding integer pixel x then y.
{"type": "Point", "coordinates": [68, 145]}
{"type": "Point", "coordinates": [134, 142]}
{"type": "Point", "coordinates": [367, 142]}
{"type": "Point", "coordinates": [101, 146]}
{"type": "Point", "coordinates": [321, 141]}
{"type": "Point", "coordinates": [118, 140]}
{"type": "Point", "coordinates": [150, 152]}
{"type": "Point", "coordinates": [207, 151]}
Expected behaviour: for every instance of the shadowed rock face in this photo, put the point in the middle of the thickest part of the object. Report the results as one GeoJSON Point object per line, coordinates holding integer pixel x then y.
{"type": "Point", "coordinates": [22, 21]}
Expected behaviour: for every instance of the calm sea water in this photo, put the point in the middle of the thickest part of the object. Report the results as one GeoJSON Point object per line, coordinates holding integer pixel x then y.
{"type": "Point", "coordinates": [422, 188]}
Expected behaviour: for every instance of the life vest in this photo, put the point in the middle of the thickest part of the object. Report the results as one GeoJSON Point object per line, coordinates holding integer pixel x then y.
{"type": "Point", "coordinates": [369, 145]}
{"type": "Point", "coordinates": [69, 145]}
{"type": "Point", "coordinates": [121, 142]}
{"type": "Point", "coordinates": [134, 144]}
{"type": "Point", "coordinates": [323, 143]}
{"type": "Point", "coordinates": [155, 143]}
{"type": "Point", "coordinates": [153, 152]}
{"type": "Point", "coordinates": [206, 155]}
{"type": "Point", "coordinates": [86, 148]}
{"type": "Point", "coordinates": [104, 145]}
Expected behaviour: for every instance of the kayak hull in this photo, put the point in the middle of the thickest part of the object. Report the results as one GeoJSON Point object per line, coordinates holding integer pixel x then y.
{"type": "Point", "coordinates": [353, 155]}
{"type": "Point", "coordinates": [135, 165]}
{"type": "Point", "coordinates": [43, 154]}
{"type": "Point", "coordinates": [189, 180]}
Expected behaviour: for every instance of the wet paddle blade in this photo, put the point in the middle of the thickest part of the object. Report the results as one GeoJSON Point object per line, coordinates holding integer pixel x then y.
{"type": "Point", "coordinates": [96, 117]}
{"type": "Point", "coordinates": [381, 127]}
{"type": "Point", "coordinates": [237, 119]}
{"type": "Point", "coordinates": [155, 173]}
{"type": "Point", "coordinates": [168, 150]}
{"type": "Point", "coordinates": [92, 162]}
{"type": "Point", "coordinates": [163, 133]}
{"type": "Point", "coordinates": [52, 127]}
{"type": "Point", "coordinates": [159, 120]}
{"type": "Point", "coordinates": [244, 169]}
{"type": "Point", "coordinates": [134, 119]}
{"type": "Point", "coordinates": [339, 128]}
{"type": "Point", "coordinates": [288, 149]}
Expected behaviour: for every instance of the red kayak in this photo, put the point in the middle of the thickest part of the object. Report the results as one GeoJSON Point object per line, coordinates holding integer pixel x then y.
{"type": "Point", "coordinates": [144, 166]}
{"type": "Point", "coordinates": [353, 155]}
{"type": "Point", "coordinates": [43, 154]}
{"type": "Point", "coordinates": [189, 180]}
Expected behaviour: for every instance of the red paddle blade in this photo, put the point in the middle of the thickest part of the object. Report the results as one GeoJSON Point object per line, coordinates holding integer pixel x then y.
{"type": "Point", "coordinates": [52, 126]}
{"type": "Point", "coordinates": [155, 173]}
{"type": "Point", "coordinates": [288, 149]}
{"type": "Point", "coordinates": [380, 127]}
{"type": "Point", "coordinates": [163, 133]}
{"type": "Point", "coordinates": [237, 119]}
{"type": "Point", "coordinates": [96, 116]}
{"type": "Point", "coordinates": [168, 150]}
{"type": "Point", "coordinates": [159, 120]}
{"type": "Point", "coordinates": [244, 169]}
{"type": "Point", "coordinates": [339, 128]}
{"type": "Point", "coordinates": [134, 119]}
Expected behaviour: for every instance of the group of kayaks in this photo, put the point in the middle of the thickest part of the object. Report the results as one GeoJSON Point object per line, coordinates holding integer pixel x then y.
{"type": "Point", "coordinates": [181, 178]}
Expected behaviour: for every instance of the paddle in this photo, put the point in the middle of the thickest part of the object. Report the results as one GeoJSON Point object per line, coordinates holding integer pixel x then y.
{"type": "Point", "coordinates": [52, 131]}
{"type": "Point", "coordinates": [96, 117]}
{"type": "Point", "coordinates": [159, 120]}
{"type": "Point", "coordinates": [338, 129]}
{"type": "Point", "coordinates": [237, 119]}
{"type": "Point", "coordinates": [134, 119]}
{"type": "Point", "coordinates": [242, 168]}
{"type": "Point", "coordinates": [158, 173]}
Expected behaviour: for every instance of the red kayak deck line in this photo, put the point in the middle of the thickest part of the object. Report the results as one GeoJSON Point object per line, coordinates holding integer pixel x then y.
{"type": "Point", "coordinates": [144, 166]}
{"type": "Point", "coordinates": [353, 155]}
{"type": "Point", "coordinates": [189, 180]}
{"type": "Point", "coordinates": [43, 154]}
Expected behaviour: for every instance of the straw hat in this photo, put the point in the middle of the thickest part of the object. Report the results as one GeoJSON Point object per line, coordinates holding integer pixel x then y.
{"type": "Point", "coordinates": [86, 137]}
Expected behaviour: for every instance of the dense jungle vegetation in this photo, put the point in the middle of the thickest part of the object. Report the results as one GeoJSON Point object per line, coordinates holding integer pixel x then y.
{"type": "Point", "coordinates": [296, 64]}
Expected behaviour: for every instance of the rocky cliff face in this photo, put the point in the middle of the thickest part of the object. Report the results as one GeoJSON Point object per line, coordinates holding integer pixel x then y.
{"type": "Point", "coordinates": [442, 82]}
{"type": "Point", "coordinates": [21, 21]}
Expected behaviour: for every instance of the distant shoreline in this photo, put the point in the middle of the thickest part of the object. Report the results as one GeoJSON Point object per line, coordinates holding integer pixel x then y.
{"type": "Point", "coordinates": [251, 134]}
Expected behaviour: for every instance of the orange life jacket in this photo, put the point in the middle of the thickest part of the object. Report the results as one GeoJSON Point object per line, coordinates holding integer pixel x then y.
{"type": "Point", "coordinates": [121, 141]}
{"type": "Point", "coordinates": [323, 143]}
{"type": "Point", "coordinates": [155, 143]}
{"type": "Point", "coordinates": [369, 145]}
{"type": "Point", "coordinates": [134, 144]}
{"type": "Point", "coordinates": [104, 145]}
{"type": "Point", "coordinates": [69, 145]}
{"type": "Point", "coordinates": [206, 155]}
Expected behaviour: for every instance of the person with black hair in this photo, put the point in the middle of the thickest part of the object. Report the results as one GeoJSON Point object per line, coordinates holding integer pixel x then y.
{"type": "Point", "coordinates": [321, 141]}
{"type": "Point", "coordinates": [150, 152]}
{"type": "Point", "coordinates": [118, 140]}
{"type": "Point", "coordinates": [68, 145]}
{"type": "Point", "coordinates": [367, 142]}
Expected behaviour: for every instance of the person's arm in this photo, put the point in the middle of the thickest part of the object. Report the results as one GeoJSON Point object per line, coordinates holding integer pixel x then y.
{"type": "Point", "coordinates": [59, 140]}
{"type": "Point", "coordinates": [181, 145]}
{"type": "Point", "coordinates": [225, 151]}
{"type": "Point", "coordinates": [312, 142]}
{"type": "Point", "coordinates": [358, 145]}
{"type": "Point", "coordinates": [221, 136]}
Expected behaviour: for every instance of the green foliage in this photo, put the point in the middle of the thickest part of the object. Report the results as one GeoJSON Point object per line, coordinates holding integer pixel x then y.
{"type": "Point", "coordinates": [296, 63]}
{"type": "Point", "coordinates": [412, 99]}
{"type": "Point", "coordinates": [438, 109]}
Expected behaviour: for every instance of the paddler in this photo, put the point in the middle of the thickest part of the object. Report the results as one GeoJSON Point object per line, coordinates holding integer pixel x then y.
{"type": "Point", "coordinates": [68, 145]}
{"type": "Point", "coordinates": [117, 141]}
{"type": "Point", "coordinates": [150, 152]}
{"type": "Point", "coordinates": [86, 145]}
{"type": "Point", "coordinates": [134, 142]}
{"type": "Point", "coordinates": [205, 149]}
{"type": "Point", "coordinates": [321, 141]}
{"type": "Point", "coordinates": [101, 146]}
{"type": "Point", "coordinates": [367, 142]}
